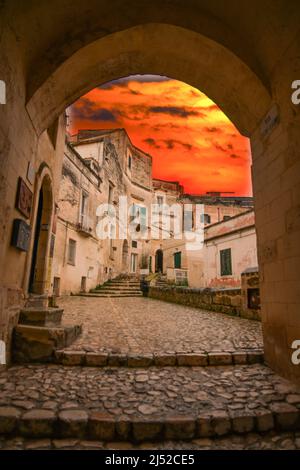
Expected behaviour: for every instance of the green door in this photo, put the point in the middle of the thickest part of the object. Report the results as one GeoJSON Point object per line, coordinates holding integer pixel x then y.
{"type": "Point", "coordinates": [177, 260]}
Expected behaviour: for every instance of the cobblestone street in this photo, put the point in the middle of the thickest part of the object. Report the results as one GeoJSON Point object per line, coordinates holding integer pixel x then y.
{"type": "Point", "coordinates": [241, 406]}
{"type": "Point", "coordinates": [143, 325]}
{"type": "Point", "coordinates": [113, 404]}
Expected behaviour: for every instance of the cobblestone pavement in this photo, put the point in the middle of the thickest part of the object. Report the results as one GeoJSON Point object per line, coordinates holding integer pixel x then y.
{"type": "Point", "coordinates": [252, 441]}
{"type": "Point", "coordinates": [155, 392]}
{"type": "Point", "coordinates": [143, 325]}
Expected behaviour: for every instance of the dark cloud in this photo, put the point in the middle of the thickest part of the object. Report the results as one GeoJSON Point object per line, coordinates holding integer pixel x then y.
{"type": "Point", "coordinates": [173, 111]}
{"type": "Point", "coordinates": [170, 143]}
{"type": "Point", "coordinates": [230, 146]}
{"type": "Point", "coordinates": [219, 147]}
{"type": "Point", "coordinates": [152, 142]}
{"type": "Point", "coordinates": [213, 129]}
{"type": "Point", "coordinates": [88, 110]}
{"type": "Point", "coordinates": [234, 155]}
{"type": "Point", "coordinates": [134, 92]}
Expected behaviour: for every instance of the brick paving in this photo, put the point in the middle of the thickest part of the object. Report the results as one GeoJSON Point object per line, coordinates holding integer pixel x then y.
{"type": "Point", "coordinates": [143, 325]}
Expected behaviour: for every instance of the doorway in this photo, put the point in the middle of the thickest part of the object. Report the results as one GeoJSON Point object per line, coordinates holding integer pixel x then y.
{"type": "Point", "coordinates": [133, 262]}
{"type": "Point", "coordinates": [159, 258]}
{"type": "Point", "coordinates": [38, 269]}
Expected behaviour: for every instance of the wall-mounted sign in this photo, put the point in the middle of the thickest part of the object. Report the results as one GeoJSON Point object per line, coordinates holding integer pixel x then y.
{"type": "Point", "coordinates": [24, 198]}
{"type": "Point", "coordinates": [21, 235]}
{"type": "Point", "coordinates": [269, 121]}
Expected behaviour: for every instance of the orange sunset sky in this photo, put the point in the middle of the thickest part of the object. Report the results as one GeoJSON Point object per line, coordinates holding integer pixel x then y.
{"type": "Point", "coordinates": [189, 137]}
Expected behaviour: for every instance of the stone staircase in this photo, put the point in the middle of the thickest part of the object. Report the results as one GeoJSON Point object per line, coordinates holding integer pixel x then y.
{"type": "Point", "coordinates": [119, 287]}
{"type": "Point", "coordinates": [39, 333]}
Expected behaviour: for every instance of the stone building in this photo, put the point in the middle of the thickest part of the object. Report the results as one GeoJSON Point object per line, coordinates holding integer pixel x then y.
{"type": "Point", "coordinates": [98, 168]}
{"type": "Point", "coordinates": [230, 248]}
{"type": "Point", "coordinates": [228, 224]}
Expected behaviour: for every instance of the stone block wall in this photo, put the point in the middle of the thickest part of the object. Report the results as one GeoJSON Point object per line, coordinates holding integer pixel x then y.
{"type": "Point", "coordinates": [229, 301]}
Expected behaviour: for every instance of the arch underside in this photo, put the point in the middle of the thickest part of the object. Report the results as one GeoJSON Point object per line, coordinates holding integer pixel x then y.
{"type": "Point", "coordinates": [157, 49]}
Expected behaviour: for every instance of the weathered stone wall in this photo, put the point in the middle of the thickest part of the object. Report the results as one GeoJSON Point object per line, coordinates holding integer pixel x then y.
{"type": "Point", "coordinates": [227, 301]}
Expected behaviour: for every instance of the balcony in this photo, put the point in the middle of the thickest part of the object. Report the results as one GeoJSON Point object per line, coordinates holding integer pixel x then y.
{"type": "Point", "coordinates": [85, 226]}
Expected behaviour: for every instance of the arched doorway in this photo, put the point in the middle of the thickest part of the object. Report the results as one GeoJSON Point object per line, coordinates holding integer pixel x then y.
{"type": "Point", "coordinates": [159, 261]}
{"type": "Point", "coordinates": [125, 256]}
{"type": "Point", "coordinates": [38, 268]}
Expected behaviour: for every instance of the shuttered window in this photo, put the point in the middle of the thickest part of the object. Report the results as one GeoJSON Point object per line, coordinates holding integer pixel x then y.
{"type": "Point", "coordinates": [177, 260]}
{"type": "Point", "coordinates": [225, 262]}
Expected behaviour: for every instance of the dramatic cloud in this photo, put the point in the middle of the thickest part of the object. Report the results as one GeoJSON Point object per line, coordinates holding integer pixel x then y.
{"type": "Point", "coordinates": [87, 110]}
{"type": "Point", "coordinates": [188, 136]}
{"type": "Point", "coordinates": [171, 143]}
{"type": "Point", "coordinates": [152, 142]}
{"type": "Point", "coordinates": [173, 111]}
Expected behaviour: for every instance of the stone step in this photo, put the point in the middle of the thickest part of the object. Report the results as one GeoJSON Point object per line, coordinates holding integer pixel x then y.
{"type": "Point", "coordinates": [40, 316]}
{"type": "Point", "coordinates": [137, 405]}
{"type": "Point", "coordinates": [249, 441]}
{"type": "Point", "coordinates": [38, 344]}
{"type": "Point", "coordinates": [91, 294]}
{"type": "Point", "coordinates": [121, 285]}
{"type": "Point", "coordinates": [74, 357]}
{"type": "Point", "coordinates": [116, 291]}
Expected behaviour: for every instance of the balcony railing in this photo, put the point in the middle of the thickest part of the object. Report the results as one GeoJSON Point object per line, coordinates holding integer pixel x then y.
{"type": "Point", "coordinates": [85, 225]}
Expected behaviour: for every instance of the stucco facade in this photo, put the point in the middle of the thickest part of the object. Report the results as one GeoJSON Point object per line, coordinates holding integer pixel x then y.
{"type": "Point", "coordinates": [98, 168]}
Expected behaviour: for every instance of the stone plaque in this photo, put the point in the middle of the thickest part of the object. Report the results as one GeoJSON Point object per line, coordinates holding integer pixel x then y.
{"type": "Point", "coordinates": [21, 235]}
{"type": "Point", "coordinates": [24, 198]}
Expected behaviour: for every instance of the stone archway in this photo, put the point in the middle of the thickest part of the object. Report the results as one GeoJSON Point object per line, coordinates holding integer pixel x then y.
{"type": "Point", "coordinates": [244, 58]}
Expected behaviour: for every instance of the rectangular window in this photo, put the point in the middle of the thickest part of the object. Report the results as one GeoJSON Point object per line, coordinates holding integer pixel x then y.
{"type": "Point", "coordinates": [71, 252]}
{"type": "Point", "coordinates": [129, 162]}
{"type": "Point", "coordinates": [225, 262]}
{"type": "Point", "coordinates": [188, 220]}
{"type": "Point", "coordinates": [226, 217]}
{"type": "Point", "coordinates": [160, 200]}
{"type": "Point", "coordinates": [83, 208]}
{"type": "Point", "coordinates": [205, 219]}
{"type": "Point", "coordinates": [177, 260]}
{"type": "Point", "coordinates": [134, 244]}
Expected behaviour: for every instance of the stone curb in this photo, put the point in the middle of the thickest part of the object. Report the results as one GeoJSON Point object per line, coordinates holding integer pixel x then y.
{"type": "Point", "coordinates": [93, 425]}
{"type": "Point", "coordinates": [82, 358]}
